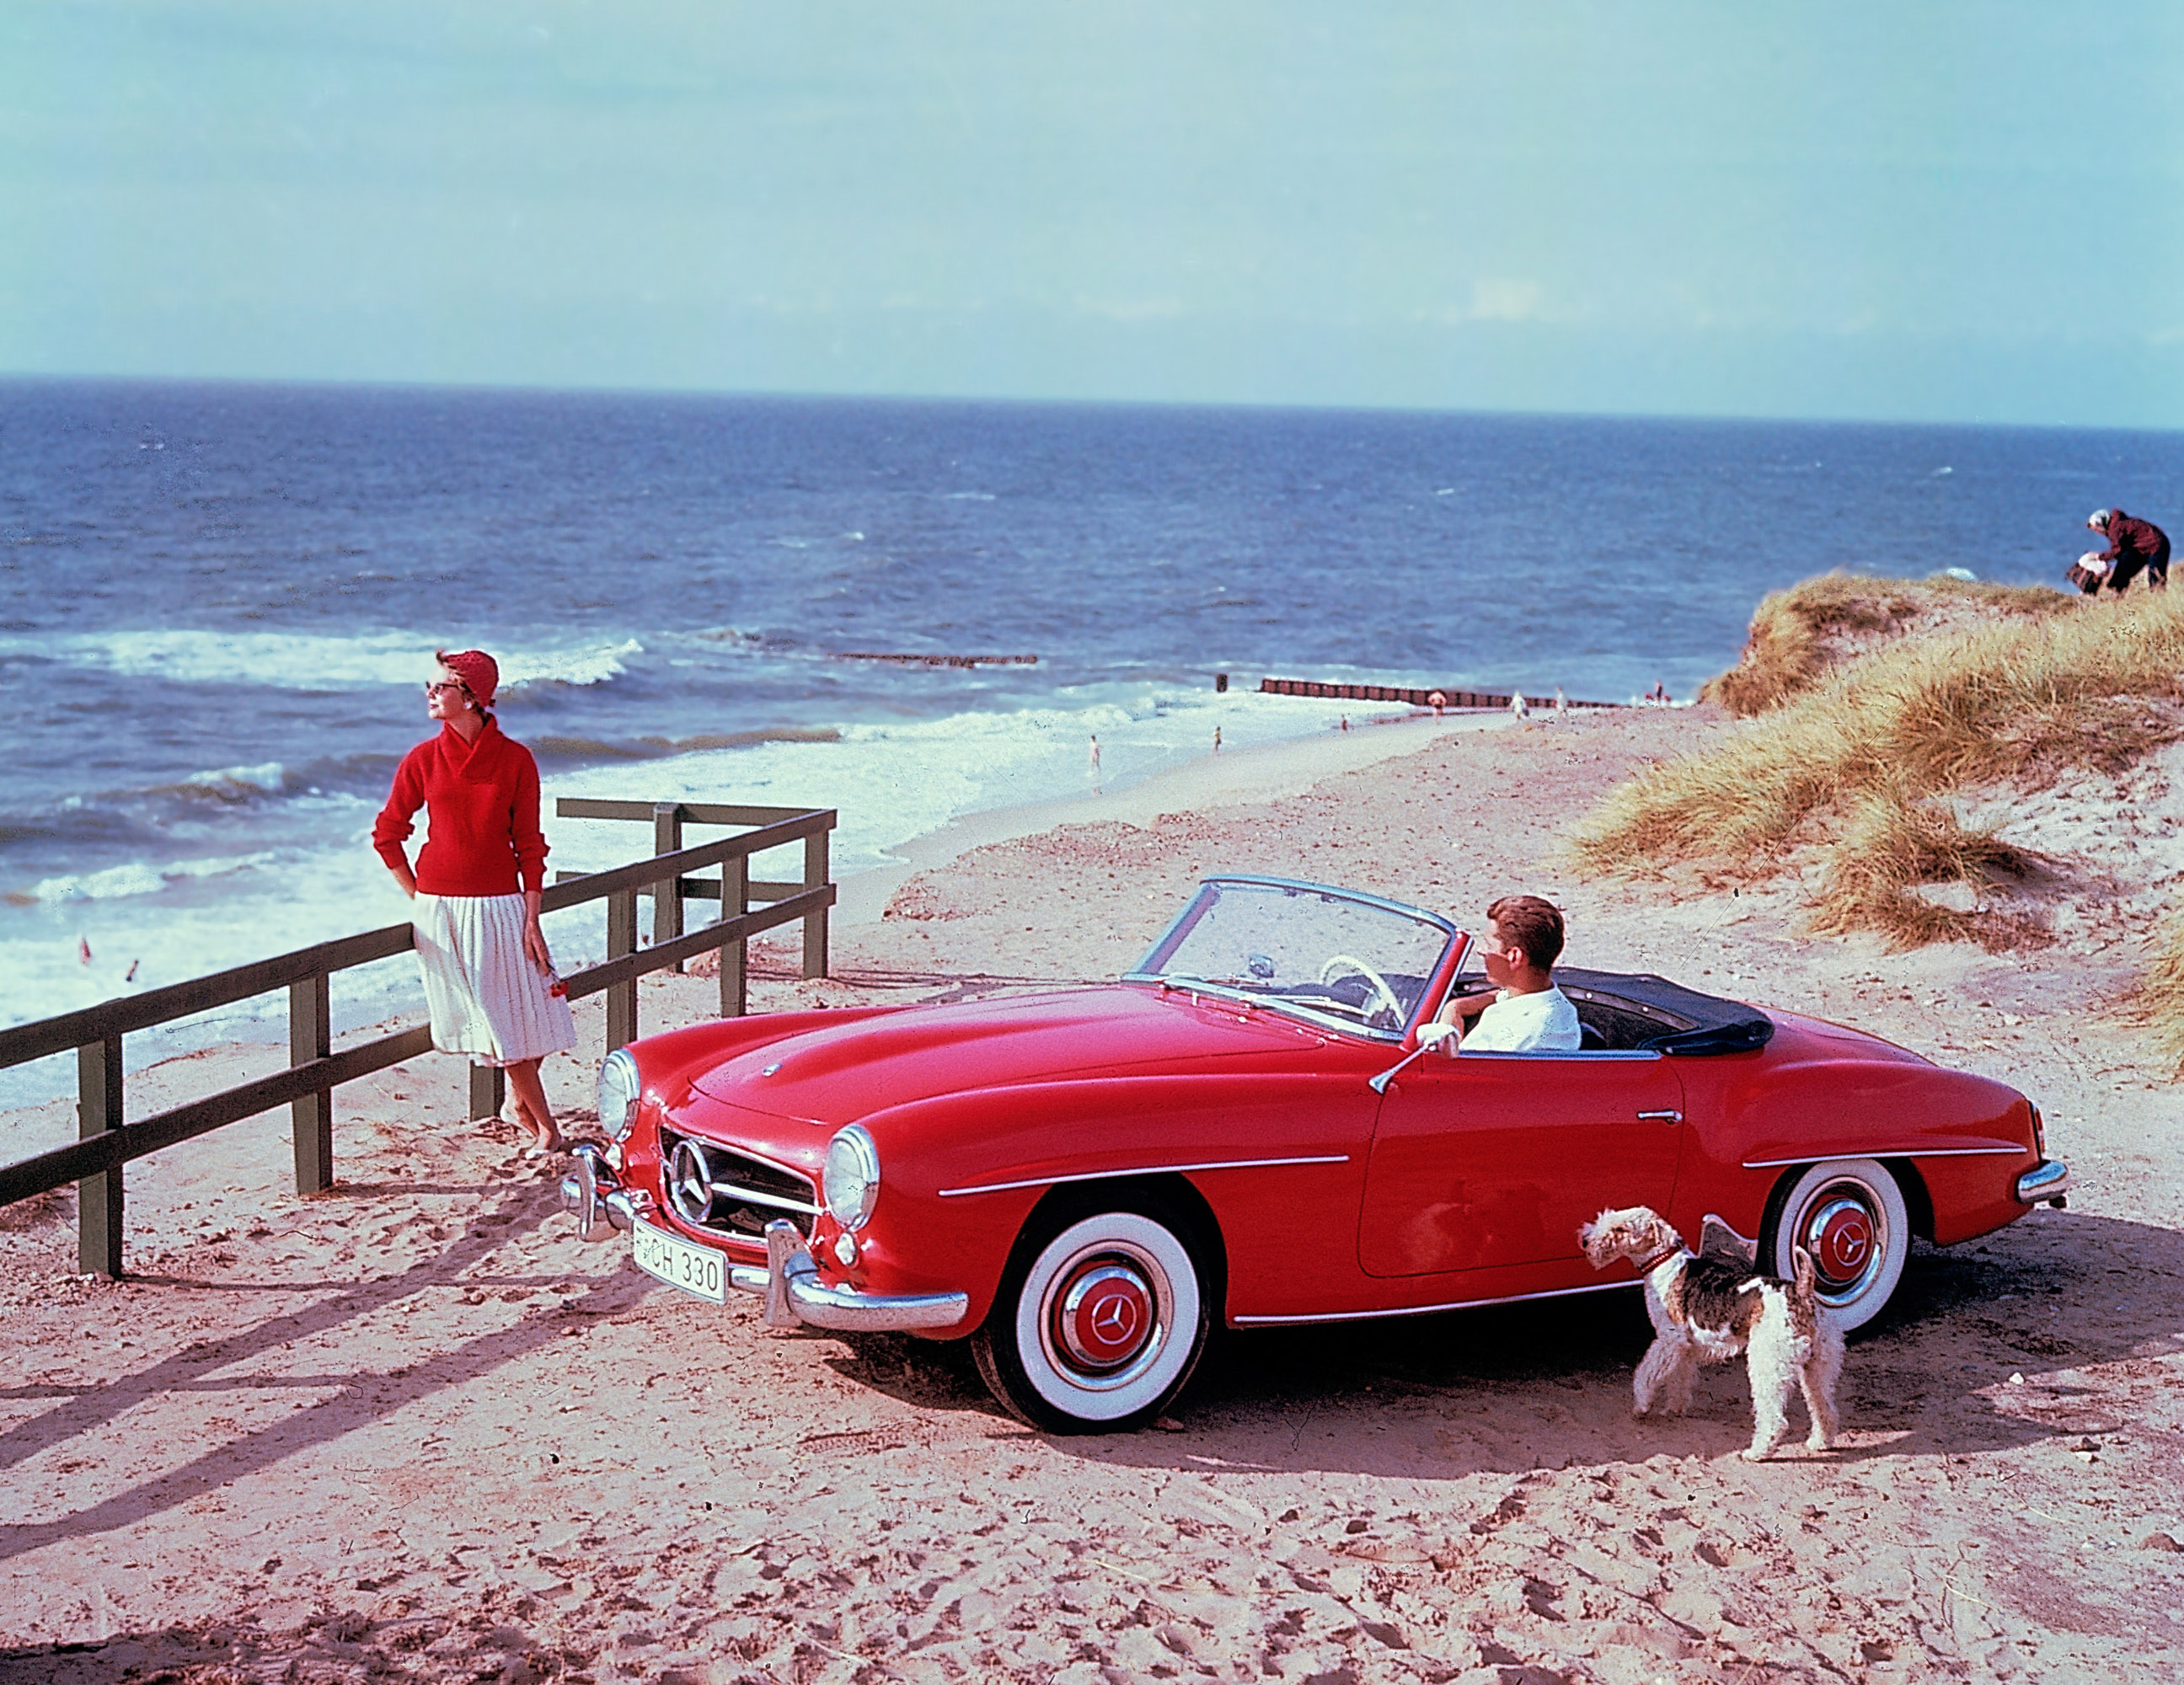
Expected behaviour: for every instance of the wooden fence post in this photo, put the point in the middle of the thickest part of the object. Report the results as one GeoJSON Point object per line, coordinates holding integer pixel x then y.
{"type": "Point", "coordinates": [622, 997]}
{"type": "Point", "coordinates": [99, 1207]}
{"type": "Point", "coordinates": [735, 902]}
{"type": "Point", "coordinates": [815, 922]}
{"type": "Point", "coordinates": [311, 1119]}
{"type": "Point", "coordinates": [667, 896]}
{"type": "Point", "coordinates": [488, 1089]}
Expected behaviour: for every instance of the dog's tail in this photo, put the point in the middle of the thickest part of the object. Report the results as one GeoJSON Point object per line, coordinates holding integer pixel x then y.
{"type": "Point", "coordinates": [1807, 1277]}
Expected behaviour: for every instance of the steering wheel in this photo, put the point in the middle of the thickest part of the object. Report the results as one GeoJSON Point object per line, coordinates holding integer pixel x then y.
{"type": "Point", "coordinates": [1345, 965]}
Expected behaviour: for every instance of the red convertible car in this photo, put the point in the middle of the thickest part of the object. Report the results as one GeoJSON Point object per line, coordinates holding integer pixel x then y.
{"type": "Point", "coordinates": [1244, 1127]}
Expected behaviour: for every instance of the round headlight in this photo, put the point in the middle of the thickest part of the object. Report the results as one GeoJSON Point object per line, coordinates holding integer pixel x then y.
{"type": "Point", "coordinates": [852, 1179]}
{"type": "Point", "coordinates": [619, 1087]}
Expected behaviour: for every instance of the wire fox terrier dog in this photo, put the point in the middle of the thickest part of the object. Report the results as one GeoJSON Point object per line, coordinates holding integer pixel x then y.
{"type": "Point", "coordinates": [1708, 1310]}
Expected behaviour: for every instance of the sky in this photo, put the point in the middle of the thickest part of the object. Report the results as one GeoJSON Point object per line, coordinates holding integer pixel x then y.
{"type": "Point", "coordinates": [1886, 211]}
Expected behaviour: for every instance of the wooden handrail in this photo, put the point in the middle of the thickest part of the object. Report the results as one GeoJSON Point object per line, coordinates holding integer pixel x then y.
{"type": "Point", "coordinates": [44, 1036]}
{"type": "Point", "coordinates": [108, 1143]}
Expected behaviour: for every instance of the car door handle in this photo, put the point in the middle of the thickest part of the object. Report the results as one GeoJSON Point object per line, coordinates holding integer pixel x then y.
{"type": "Point", "coordinates": [1671, 1116]}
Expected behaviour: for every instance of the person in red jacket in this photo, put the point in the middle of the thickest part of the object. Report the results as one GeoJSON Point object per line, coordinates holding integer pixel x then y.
{"type": "Point", "coordinates": [488, 974]}
{"type": "Point", "coordinates": [2133, 544]}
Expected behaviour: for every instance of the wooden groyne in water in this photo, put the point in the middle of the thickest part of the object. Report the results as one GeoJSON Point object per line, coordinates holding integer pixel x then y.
{"type": "Point", "coordinates": [1416, 696]}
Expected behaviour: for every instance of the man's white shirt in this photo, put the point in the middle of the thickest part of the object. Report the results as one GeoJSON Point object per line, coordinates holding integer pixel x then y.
{"type": "Point", "coordinates": [1542, 1022]}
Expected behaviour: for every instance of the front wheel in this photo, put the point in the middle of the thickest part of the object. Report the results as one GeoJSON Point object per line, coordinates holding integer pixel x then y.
{"type": "Point", "coordinates": [1095, 1329]}
{"type": "Point", "coordinates": [1849, 1215]}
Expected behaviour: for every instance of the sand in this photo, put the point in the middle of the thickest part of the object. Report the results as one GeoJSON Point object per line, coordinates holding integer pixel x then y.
{"type": "Point", "coordinates": [414, 1429]}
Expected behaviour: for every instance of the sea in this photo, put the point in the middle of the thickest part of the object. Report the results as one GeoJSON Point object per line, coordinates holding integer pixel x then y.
{"type": "Point", "coordinates": [218, 603]}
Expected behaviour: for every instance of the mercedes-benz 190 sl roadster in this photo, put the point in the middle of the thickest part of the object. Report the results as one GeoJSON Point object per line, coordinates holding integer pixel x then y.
{"type": "Point", "coordinates": [1244, 1127]}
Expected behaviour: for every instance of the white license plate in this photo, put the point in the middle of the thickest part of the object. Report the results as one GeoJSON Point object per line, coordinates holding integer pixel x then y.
{"type": "Point", "coordinates": [697, 1269]}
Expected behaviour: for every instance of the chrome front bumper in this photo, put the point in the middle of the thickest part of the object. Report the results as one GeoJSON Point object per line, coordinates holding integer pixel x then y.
{"type": "Point", "coordinates": [788, 1281]}
{"type": "Point", "coordinates": [789, 1284]}
{"type": "Point", "coordinates": [593, 1195]}
{"type": "Point", "coordinates": [2045, 1183]}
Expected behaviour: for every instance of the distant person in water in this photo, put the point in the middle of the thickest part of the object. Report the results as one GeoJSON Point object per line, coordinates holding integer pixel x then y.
{"type": "Point", "coordinates": [2134, 546]}
{"type": "Point", "coordinates": [488, 975]}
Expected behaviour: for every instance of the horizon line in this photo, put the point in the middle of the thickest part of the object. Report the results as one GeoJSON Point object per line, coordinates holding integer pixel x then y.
{"type": "Point", "coordinates": [822, 395]}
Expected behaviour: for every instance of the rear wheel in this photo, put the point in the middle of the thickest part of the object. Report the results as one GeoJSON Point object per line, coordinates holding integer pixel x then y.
{"type": "Point", "coordinates": [1849, 1215]}
{"type": "Point", "coordinates": [1097, 1324]}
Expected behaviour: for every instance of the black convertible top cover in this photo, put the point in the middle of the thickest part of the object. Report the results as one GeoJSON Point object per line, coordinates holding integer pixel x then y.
{"type": "Point", "coordinates": [1711, 1025]}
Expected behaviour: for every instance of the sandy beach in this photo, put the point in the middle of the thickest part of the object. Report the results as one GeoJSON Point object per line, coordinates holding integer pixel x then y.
{"type": "Point", "coordinates": [414, 1429]}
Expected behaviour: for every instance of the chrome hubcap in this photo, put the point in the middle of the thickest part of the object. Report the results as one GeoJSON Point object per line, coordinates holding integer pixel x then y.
{"type": "Point", "coordinates": [1103, 1321]}
{"type": "Point", "coordinates": [1842, 1232]}
{"type": "Point", "coordinates": [1104, 1316]}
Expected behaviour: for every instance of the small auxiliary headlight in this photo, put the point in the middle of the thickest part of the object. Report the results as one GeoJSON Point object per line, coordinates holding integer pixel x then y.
{"type": "Point", "coordinates": [619, 1087]}
{"type": "Point", "coordinates": [851, 1182]}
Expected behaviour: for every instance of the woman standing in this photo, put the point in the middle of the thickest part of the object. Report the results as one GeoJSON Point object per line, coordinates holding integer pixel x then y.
{"type": "Point", "coordinates": [488, 977]}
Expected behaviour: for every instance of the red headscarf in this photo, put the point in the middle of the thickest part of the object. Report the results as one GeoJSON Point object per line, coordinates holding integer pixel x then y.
{"type": "Point", "coordinates": [479, 672]}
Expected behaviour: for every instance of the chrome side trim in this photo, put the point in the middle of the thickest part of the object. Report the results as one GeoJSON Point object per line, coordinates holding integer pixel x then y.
{"type": "Point", "coordinates": [1589, 1055]}
{"type": "Point", "coordinates": [1140, 1169]}
{"type": "Point", "coordinates": [1891, 1153]}
{"type": "Point", "coordinates": [1452, 1305]}
{"type": "Point", "coordinates": [2048, 1179]}
{"type": "Point", "coordinates": [789, 1282]}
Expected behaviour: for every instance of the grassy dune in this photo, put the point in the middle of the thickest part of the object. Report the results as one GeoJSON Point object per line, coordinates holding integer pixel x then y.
{"type": "Point", "coordinates": [1798, 634]}
{"type": "Point", "coordinates": [1859, 761]}
{"type": "Point", "coordinates": [2161, 997]}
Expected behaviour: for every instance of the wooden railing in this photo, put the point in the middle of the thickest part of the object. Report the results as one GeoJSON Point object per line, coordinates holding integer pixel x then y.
{"type": "Point", "coordinates": [106, 1142]}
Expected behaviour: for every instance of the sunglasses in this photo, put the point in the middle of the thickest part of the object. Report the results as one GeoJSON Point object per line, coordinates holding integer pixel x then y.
{"type": "Point", "coordinates": [437, 686]}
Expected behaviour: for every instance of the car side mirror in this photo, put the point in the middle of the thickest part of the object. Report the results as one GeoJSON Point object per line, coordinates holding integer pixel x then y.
{"type": "Point", "coordinates": [1379, 1084]}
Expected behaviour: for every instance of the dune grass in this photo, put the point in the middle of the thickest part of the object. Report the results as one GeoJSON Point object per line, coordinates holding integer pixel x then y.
{"type": "Point", "coordinates": [1892, 844]}
{"type": "Point", "coordinates": [2161, 995]}
{"type": "Point", "coordinates": [1861, 762]}
{"type": "Point", "coordinates": [1794, 632]}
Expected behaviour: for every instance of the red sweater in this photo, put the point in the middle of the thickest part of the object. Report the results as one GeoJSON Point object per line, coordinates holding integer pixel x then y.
{"type": "Point", "coordinates": [484, 802]}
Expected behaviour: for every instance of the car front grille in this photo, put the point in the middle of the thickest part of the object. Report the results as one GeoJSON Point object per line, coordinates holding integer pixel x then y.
{"type": "Point", "coordinates": [746, 1193]}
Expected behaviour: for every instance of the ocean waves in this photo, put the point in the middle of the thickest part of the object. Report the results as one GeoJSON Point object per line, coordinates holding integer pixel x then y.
{"type": "Point", "coordinates": [138, 878]}
{"type": "Point", "coordinates": [314, 663]}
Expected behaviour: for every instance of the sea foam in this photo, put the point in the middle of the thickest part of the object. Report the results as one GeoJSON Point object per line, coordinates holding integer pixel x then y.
{"type": "Point", "coordinates": [295, 661]}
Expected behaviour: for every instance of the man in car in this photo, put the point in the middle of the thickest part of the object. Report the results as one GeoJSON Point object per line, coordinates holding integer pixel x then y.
{"type": "Point", "coordinates": [1524, 1012]}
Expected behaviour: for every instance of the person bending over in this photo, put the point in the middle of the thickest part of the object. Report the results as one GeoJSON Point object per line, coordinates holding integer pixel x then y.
{"type": "Point", "coordinates": [2133, 544]}
{"type": "Point", "coordinates": [1524, 1012]}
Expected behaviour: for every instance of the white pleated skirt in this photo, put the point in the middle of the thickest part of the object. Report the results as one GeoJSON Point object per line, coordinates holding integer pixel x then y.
{"type": "Point", "coordinates": [488, 1002]}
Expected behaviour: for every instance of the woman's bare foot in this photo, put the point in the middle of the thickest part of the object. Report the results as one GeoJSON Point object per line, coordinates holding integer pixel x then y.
{"type": "Point", "coordinates": [531, 1107]}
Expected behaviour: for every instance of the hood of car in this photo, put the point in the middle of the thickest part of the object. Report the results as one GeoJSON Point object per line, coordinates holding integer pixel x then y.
{"type": "Point", "coordinates": [832, 1077]}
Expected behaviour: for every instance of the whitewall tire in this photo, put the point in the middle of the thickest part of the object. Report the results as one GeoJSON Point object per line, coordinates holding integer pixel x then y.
{"type": "Point", "coordinates": [1849, 1215]}
{"type": "Point", "coordinates": [1099, 1328]}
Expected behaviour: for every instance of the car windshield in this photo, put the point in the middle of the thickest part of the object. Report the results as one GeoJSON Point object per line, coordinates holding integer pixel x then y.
{"type": "Point", "coordinates": [1351, 960]}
